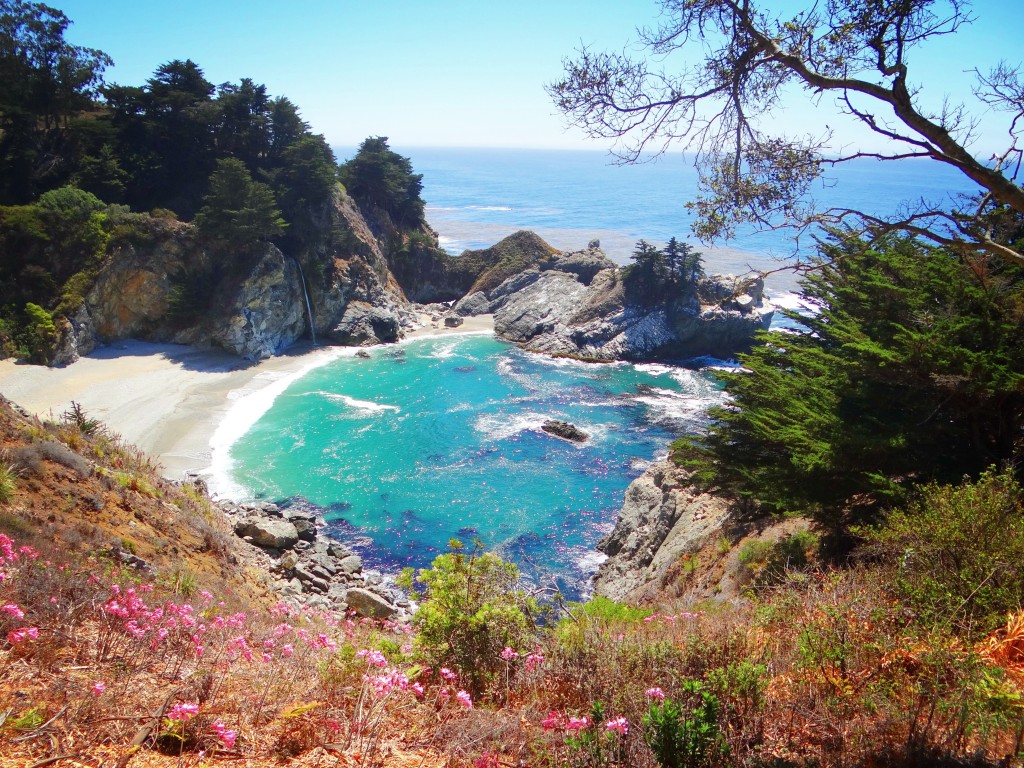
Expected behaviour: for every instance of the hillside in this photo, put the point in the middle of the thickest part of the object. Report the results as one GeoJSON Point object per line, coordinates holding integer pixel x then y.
{"type": "Point", "coordinates": [137, 631]}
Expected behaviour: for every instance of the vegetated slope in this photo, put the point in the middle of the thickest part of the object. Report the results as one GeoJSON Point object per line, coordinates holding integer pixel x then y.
{"type": "Point", "coordinates": [106, 661]}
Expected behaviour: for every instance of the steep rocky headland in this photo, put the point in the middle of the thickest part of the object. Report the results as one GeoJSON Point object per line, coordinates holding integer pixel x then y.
{"type": "Point", "coordinates": [580, 304]}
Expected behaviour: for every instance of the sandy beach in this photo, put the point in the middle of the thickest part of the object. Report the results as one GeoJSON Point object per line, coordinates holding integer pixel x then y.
{"type": "Point", "coordinates": [168, 399]}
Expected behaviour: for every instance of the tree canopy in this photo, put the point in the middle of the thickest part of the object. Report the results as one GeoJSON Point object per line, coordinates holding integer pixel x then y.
{"type": "Point", "coordinates": [383, 179]}
{"type": "Point", "coordinates": [860, 53]}
{"type": "Point", "coordinates": [912, 371]}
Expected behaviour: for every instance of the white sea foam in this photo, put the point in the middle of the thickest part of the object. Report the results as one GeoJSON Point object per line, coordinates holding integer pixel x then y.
{"type": "Point", "coordinates": [359, 405]}
{"type": "Point", "coordinates": [248, 405]}
{"type": "Point", "coordinates": [488, 208]}
{"type": "Point", "coordinates": [442, 351]}
{"type": "Point", "coordinates": [654, 369]}
{"type": "Point", "coordinates": [500, 426]}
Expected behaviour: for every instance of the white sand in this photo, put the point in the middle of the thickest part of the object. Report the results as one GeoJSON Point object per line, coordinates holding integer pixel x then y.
{"type": "Point", "coordinates": [167, 399]}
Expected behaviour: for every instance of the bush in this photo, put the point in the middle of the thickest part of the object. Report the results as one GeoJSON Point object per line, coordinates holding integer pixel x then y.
{"type": "Point", "coordinates": [688, 735]}
{"type": "Point", "coordinates": [40, 334]}
{"type": "Point", "coordinates": [958, 552]}
{"type": "Point", "coordinates": [8, 475]}
{"type": "Point", "coordinates": [473, 608]}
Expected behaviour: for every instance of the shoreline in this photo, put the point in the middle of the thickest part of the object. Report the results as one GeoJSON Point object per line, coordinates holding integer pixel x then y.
{"type": "Point", "coordinates": [174, 401]}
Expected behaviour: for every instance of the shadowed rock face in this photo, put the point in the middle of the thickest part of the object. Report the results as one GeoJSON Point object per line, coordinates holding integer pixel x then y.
{"type": "Point", "coordinates": [251, 304]}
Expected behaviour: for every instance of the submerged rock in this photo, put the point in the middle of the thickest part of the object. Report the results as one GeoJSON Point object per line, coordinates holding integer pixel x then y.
{"type": "Point", "coordinates": [564, 430]}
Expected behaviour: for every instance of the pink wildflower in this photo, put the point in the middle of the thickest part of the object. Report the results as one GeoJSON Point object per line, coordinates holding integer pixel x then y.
{"type": "Point", "coordinates": [287, 649]}
{"type": "Point", "coordinates": [618, 725]}
{"type": "Point", "coordinates": [553, 722]}
{"type": "Point", "coordinates": [417, 689]}
{"type": "Point", "coordinates": [464, 699]}
{"type": "Point", "coordinates": [373, 658]}
{"type": "Point", "coordinates": [227, 737]}
{"type": "Point", "coordinates": [98, 688]}
{"type": "Point", "coordinates": [183, 711]}
{"type": "Point", "coordinates": [577, 724]}
{"type": "Point", "coordinates": [508, 654]}
{"type": "Point", "coordinates": [448, 675]}
{"type": "Point", "coordinates": [21, 634]}
{"type": "Point", "coordinates": [534, 660]}
{"type": "Point", "coordinates": [14, 610]}
{"type": "Point", "coordinates": [655, 693]}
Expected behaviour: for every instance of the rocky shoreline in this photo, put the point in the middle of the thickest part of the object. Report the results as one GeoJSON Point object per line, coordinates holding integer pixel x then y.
{"type": "Point", "coordinates": [307, 568]}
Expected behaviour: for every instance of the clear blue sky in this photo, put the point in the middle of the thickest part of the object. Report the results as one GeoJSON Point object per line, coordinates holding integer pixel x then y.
{"type": "Point", "coordinates": [444, 72]}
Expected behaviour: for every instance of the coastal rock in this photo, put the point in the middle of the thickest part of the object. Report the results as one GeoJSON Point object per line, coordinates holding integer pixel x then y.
{"type": "Point", "coordinates": [578, 306]}
{"type": "Point", "coordinates": [351, 565]}
{"type": "Point", "coordinates": [269, 310]}
{"type": "Point", "coordinates": [268, 533]}
{"type": "Point", "coordinates": [564, 430]}
{"type": "Point", "coordinates": [662, 519]}
{"type": "Point", "coordinates": [364, 323]}
{"type": "Point", "coordinates": [453, 321]}
{"type": "Point", "coordinates": [367, 603]}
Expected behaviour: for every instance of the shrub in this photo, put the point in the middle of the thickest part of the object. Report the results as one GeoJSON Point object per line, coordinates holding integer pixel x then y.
{"type": "Point", "coordinates": [958, 551]}
{"type": "Point", "coordinates": [40, 334]}
{"type": "Point", "coordinates": [473, 608]}
{"type": "Point", "coordinates": [8, 474]}
{"type": "Point", "coordinates": [687, 735]}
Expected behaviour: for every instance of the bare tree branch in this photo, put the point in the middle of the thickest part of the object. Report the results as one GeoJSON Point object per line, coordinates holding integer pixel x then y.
{"type": "Point", "coordinates": [856, 51]}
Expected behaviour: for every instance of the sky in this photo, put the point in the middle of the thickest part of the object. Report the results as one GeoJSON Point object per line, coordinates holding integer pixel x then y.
{"type": "Point", "coordinates": [455, 72]}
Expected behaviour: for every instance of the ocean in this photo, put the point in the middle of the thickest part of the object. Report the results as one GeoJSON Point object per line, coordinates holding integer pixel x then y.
{"type": "Point", "coordinates": [439, 438]}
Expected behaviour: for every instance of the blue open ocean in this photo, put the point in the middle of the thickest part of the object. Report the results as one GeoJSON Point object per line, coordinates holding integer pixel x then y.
{"type": "Point", "coordinates": [440, 437]}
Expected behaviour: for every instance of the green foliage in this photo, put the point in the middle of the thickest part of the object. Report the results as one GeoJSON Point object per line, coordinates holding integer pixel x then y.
{"type": "Point", "coordinates": [238, 212]}
{"type": "Point", "coordinates": [770, 561]}
{"type": "Point", "coordinates": [472, 608]}
{"type": "Point", "coordinates": [912, 370]}
{"type": "Point", "coordinates": [379, 178]}
{"type": "Point", "coordinates": [8, 482]}
{"type": "Point", "coordinates": [44, 80]}
{"type": "Point", "coordinates": [686, 735]}
{"type": "Point", "coordinates": [657, 275]}
{"type": "Point", "coordinates": [40, 334]}
{"type": "Point", "coordinates": [75, 416]}
{"type": "Point", "coordinates": [958, 551]}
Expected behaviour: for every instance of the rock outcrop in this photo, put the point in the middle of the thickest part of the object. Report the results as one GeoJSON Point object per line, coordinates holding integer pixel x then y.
{"type": "Point", "coordinates": [662, 519]}
{"type": "Point", "coordinates": [311, 569]}
{"type": "Point", "coordinates": [576, 304]}
{"type": "Point", "coordinates": [164, 285]}
{"type": "Point", "coordinates": [564, 430]}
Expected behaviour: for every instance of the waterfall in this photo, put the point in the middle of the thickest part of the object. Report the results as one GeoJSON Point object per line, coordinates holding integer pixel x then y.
{"type": "Point", "coordinates": [309, 310]}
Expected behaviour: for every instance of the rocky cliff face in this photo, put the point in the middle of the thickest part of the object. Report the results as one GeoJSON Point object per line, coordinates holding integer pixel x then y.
{"type": "Point", "coordinates": [662, 519]}
{"type": "Point", "coordinates": [164, 285]}
{"type": "Point", "coordinates": [576, 304]}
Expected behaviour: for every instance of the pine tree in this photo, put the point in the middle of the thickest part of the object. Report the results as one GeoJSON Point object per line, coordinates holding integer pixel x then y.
{"type": "Point", "coordinates": [912, 370]}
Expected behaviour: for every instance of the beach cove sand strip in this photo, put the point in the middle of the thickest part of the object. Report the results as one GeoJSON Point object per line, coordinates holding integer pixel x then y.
{"type": "Point", "coordinates": [170, 399]}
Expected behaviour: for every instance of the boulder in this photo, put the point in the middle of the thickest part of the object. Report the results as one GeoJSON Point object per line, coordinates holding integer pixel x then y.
{"type": "Point", "coordinates": [564, 430]}
{"type": "Point", "coordinates": [351, 565]}
{"type": "Point", "coordinates": [269, 534]}
{"type": "Point", "coordinates": [366, 603]}
{"type": "Point", "coordinates": [453, 321]}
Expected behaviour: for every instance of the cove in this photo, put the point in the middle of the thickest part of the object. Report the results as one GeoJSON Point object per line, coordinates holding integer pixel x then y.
{"type": "Point", "coordinates": [440, 438]}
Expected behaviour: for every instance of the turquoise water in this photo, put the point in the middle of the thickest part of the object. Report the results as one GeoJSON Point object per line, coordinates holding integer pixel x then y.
{"type": "Point", "coordinates": [440, 438]}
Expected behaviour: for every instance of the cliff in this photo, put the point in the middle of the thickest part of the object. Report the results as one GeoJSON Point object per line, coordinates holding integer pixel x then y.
{"type": "Point", "coordinates": [160, 282]}
{"type": "Point", "coordinates": [673, 544]}
{"type": "Point", "coordinates": [578, 304]}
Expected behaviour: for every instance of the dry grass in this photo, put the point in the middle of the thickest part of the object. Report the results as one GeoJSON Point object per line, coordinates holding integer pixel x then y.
{"type": "Point", "coordinates": [825, 670]}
